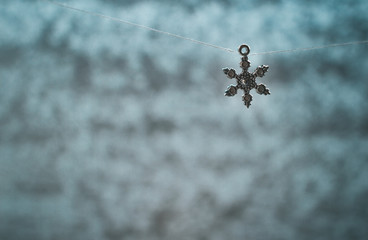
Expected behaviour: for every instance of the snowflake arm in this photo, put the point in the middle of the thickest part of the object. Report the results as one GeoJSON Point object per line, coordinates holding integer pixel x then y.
{"type": "Point", "coordinates": [231, 91]}
{"type": "Point", "coordinates": [261, 89]}
{"type": "Point", "coordinates": [230, 73]}
{"type": "Point", "coordinates": [260, 71]}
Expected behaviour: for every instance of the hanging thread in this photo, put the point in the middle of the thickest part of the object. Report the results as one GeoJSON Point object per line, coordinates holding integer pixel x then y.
{"type": "Point", "coordinates": [138, 25]}
{"type": "Point", "coordinates": [197, 41]}
{"type": "Point", "coordinates": [311, 48]}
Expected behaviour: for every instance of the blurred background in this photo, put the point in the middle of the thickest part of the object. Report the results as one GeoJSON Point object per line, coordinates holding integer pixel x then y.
{"type": "Point", "coordinates": [112, 132]}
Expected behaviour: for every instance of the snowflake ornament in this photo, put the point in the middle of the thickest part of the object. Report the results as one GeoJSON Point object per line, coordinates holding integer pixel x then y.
{"type": "Point", "coordinates": [246, 80]}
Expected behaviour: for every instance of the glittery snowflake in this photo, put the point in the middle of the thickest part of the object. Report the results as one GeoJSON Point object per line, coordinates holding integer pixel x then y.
{"type": "Point", "coordinates": [246, 80]}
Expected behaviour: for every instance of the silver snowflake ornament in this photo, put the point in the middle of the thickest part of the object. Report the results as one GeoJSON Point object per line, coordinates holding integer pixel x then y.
{"type": "Point", "coordinates": [246, 80]}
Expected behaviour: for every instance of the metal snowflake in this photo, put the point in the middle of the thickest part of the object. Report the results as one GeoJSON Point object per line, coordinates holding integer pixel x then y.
{"type": "Point", "coordinates": [246, 80]}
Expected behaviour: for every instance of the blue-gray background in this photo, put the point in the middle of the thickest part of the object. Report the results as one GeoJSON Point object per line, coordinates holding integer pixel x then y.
{"type": "Point", "coordinates": [113, 132]}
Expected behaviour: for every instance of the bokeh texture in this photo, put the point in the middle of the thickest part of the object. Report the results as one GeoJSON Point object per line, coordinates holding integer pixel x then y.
{"type": "Point", "coordinates": [111, 132]}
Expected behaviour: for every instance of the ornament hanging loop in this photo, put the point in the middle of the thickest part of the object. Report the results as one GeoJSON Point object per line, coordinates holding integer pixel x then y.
{"type": "Point", "coordinates": [241, 50]}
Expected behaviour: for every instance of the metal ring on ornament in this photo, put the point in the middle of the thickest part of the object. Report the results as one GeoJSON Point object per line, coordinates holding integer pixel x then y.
{"type": "Point", "coordinates": [247, 50]}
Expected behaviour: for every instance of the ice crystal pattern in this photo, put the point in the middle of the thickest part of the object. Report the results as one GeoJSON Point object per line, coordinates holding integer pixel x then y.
{"type": "Point", "coordinates": [246, 80]}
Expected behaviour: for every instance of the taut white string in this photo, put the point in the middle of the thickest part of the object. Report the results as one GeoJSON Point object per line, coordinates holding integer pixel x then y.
{"type": "Point", "coordinates": [138, 25]}
{"type": "Point", "coordinates": [311, 48]}
{"type": "Point", "coordinates": [197, 41]}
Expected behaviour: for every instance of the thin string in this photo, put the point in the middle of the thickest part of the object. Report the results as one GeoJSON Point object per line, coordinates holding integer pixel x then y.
{"type": "Point", "coordinates": [310, 48]}
{"type": "Point", "coordinates": [197, 41]}
{"type": "Point", "coordinates": [138, 25]}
